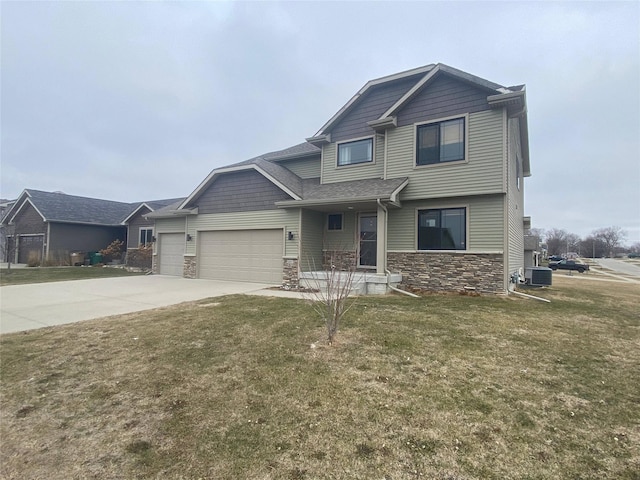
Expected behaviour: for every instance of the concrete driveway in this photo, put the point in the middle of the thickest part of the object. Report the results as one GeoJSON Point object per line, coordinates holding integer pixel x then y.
{"type": "Point", "coordinates": [26, 307]}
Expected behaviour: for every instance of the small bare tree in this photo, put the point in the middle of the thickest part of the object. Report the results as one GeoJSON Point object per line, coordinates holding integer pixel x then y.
{"type": "Point", "coordinates": [9, 243]}
{"type": "Point", "coordinates": [330, 291]}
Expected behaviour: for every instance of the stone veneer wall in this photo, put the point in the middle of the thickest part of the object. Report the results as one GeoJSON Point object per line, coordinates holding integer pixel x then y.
{"type": "Point", "coordinates": [189, 268]}
{"type": "Point", "coordinates": [290, 273]}
{"type": "Point", "coordinates": [449, 272]}
{"type": "Point", "coordinates": [344, 260]}
{"type": "Point", "coordinates": [154, 263]}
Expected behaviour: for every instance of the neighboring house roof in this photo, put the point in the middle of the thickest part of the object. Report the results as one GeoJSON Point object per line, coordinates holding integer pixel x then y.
{"type": "Point", "coordinates": [60, 207]}
{"type": "Point", "coordinates": [170, 210]}
{"type": "Point", "coordinates": [63, 208]}
{"type": "Point", "coordinates": [151, 205]}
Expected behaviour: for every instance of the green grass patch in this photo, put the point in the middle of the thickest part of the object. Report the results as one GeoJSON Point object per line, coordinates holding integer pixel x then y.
{"type": "Point", "coordinates": [444, 386]}
{"type": "Point", "coordinates": [21, 276]}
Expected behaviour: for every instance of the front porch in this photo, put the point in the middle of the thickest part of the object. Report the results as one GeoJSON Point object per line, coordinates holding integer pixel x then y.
{"type": "Point", "coordinates": [362, 282]}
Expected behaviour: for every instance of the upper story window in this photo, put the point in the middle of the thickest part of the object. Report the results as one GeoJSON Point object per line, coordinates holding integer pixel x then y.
{"type": "Point", "coordinates": [359, 151]}
{"type": "Point", "coordinates": [146, 236]}
{"type": "Point", "coordinates": [440, 142]}
{"type": "Point", "coordinates": [334, 222]}
{"type": "Point", "coordinates": [442, 229]}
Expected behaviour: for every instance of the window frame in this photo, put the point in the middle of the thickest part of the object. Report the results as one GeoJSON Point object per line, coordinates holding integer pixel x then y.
{"type": "Point", "coordinates": [440, 208]}
{"type": "Point", "coordinates": [439, 121]}
{"type": "Point", "coordinates": [140, 229]}
{"type": "Point", "coordinates": [341, 222]}
{"type": "Point", "coordinates": [370, 139]}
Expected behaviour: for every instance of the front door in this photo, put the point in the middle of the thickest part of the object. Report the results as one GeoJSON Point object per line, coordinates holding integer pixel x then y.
{"type": "Point", "coordinates": [368, 240]}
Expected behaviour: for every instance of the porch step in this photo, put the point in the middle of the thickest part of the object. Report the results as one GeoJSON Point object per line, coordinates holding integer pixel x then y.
{"type": "Point", "coordinates": [362, 283]}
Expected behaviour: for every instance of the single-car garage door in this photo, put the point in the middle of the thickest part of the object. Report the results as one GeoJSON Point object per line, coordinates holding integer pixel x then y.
{"type": "Point", "coordinates": [241, 255]}
{"type": "Point", "coordinates": [30, 248]}
{"type": "Point", "coordinates": [171, 253]}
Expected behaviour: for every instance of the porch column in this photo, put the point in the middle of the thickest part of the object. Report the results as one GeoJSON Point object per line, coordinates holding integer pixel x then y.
{"type": "Point", "coordinates": [381, 251]}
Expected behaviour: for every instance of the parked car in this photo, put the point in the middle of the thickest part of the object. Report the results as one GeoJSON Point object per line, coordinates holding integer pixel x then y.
{"type": "Point", "coordinates": [569, 265]}
{"type": "Point", "coordinates": [633, 255]}
{"type": "Point", "coordinates": [555, 258]}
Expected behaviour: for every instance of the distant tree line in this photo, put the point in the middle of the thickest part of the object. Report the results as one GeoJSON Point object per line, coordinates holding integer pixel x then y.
{"type": "Point", "coordinates": [602, 242]}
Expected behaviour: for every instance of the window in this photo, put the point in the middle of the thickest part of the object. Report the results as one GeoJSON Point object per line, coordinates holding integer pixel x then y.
{"type": "Point", "coordinates": [440, 142]}
{"type": "Point", "coordinates": [334, 222]}
{"type": "Point", "coordinates": [146, 236]}
{"type": "Point", "coordinates": [351, 153]}
{"type": "Point", "coordinates": [442, 229]}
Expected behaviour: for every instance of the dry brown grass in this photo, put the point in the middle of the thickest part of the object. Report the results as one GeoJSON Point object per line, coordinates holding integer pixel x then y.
{"type": "Point", "coordinates": [443, 387]}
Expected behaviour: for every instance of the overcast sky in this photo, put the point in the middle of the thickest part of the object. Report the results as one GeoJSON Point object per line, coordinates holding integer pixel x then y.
{"type": "Point", "coordinates": [139, 101]}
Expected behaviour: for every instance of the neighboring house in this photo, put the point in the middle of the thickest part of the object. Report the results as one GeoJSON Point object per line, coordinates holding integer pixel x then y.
{"type": "Point", "coordinates": [5, 205]}
{"type": "Point", "coordinates": [139, 228]}
{"type": "Point", "coordinates": [419, 177]}
{"type": "Point", "coordinates": [531, 251]}
{"type": "Point", "coordinates": [51, 225]}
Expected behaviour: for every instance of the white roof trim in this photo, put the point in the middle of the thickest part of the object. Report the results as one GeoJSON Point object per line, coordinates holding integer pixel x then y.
{"type": "Point", "coordinates": [412, 91]}
{"type": "Point", "coordinates": [367, 86]}
{"type": "Point", "coordinates": [277, 183]}
{"type": "Point", "coordinates": [17, 211]}
{"type": "Point", "coordinates": [238, 168]}
{"type": "Point", "coordinates": [143, 204]}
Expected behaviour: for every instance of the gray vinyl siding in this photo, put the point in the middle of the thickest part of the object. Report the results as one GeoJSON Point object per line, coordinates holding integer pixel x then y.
{"type": "Point", "coordinates": [515, 208]}
{"type": "Point", "coordinates": [243, 191]}
{"type": "Point", "coordinates": [370, 107]}
{"type": "Point", "coordinates": [66, 237]}
{"type": "Point", "coordinates": [303, 167]}
{"type": "Point", "coordinates": [287, 220]}
{"type": "Point", "coordinates": [485, 222]}
{"type": "Point", "coordinates": [311, 240]}
{"type": "Point", "coordinates": [138, 221]}
{"type": "Point", "coordinates": [481, 173]}
{"type": "Point", "coordinates": [331, 173]}
{"type": "Point", "coordinates": [443, 97]}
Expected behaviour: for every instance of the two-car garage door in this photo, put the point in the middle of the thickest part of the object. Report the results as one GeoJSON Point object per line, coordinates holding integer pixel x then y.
{"type": "Point", "coordinates": [241, 255]}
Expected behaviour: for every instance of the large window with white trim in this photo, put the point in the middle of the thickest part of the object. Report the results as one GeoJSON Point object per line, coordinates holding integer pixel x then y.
{"type": "Point", "coordinates": [442, 229]}
{"type": "Point", "coordinates": [440, 142]}
{"type": "Point", "coordinates": [358, 151]}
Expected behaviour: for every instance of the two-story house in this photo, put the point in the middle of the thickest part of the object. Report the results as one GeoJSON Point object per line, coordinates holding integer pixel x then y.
{"type": "Point", "coordinates": [418, 179]}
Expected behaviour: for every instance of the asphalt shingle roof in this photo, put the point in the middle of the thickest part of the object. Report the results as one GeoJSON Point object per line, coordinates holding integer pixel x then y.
{"type": "Point", "coordinates": [352, 190]}
{"type": "Point", "coordinates": [61, 207]}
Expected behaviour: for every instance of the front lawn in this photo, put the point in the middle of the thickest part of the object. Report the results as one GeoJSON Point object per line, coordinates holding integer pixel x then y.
{"type": "Point", "coordinates": [20, 276]}
{"type": "Point", "coordinates": [244, 387]}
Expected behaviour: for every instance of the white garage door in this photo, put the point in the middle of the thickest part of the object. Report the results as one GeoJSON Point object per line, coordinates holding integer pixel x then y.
{"type": "Point", "coordinates": [241, 255]}
{"type": "Point", "coordinates": [171, 253]}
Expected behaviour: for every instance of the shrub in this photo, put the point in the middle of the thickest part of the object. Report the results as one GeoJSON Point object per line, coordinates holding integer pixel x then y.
{"type": "Point", "coordinates": [113, 251]}
{"type": "Point", "coordinates": [34, 259]}
{"type": "Point", "coordinates": [140, 257]}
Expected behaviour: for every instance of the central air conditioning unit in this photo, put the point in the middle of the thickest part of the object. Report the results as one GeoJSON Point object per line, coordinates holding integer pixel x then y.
{"type": "Point", "coordinates": [537, 276]}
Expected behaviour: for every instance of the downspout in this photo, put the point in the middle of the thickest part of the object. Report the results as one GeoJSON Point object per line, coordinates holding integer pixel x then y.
{"type": "Point", "coordinates": [386, 221]}
{"type": "Point", "coordinates": [384, 174]}
{"type": "Point", "coordinates": [529, 296]}
{"type": "Point", "coordinates": [48, 244]}
{"type": "Point", "coordinates": [386, 270]}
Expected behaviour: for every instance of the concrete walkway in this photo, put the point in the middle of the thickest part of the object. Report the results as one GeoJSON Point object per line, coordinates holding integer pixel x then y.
{"type": "Point", "coordinates": [27, 307]}
{"type": "Point", "coordinates": [619, 266]}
